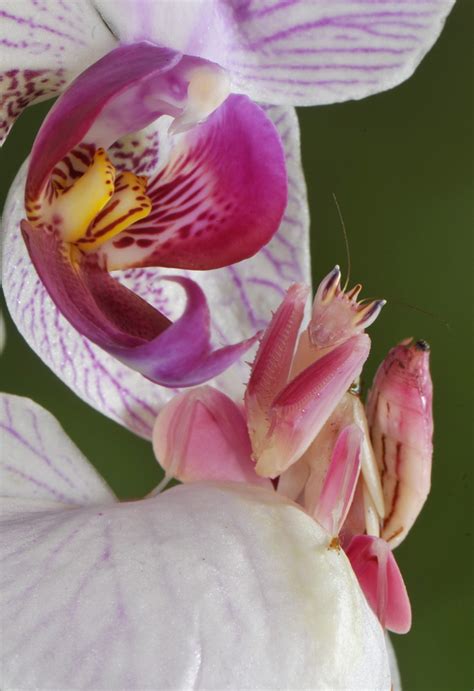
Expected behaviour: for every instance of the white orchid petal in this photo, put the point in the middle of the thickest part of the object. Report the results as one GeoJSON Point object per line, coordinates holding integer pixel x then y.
{"type": "Point", "coordinates": [241, 296]}
{"type": "Point", "coordinates": [299, 52]}
{"type": "Point", "coordinates": [392, 659]}
{"type": "Point", "coordinates": [205, 586]}
{"type": "Point", "coordinates": [39, 463]}
{"type": "Point", "coordinates": [43, 46]}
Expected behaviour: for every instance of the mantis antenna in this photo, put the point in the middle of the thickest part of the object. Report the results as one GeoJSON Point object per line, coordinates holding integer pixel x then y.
{"type": "Point", "coordinates": [348, 253]}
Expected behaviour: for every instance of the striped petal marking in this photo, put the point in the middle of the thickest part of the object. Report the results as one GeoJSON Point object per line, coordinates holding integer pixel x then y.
{"type": "Point", "coordinates": [44, 46]}
{"type": "Point", "coordinates": [299, 52]}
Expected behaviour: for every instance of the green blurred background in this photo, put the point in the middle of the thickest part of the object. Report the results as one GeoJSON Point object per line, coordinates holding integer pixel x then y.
{"type": "Point", "coordinates": [401, 166]}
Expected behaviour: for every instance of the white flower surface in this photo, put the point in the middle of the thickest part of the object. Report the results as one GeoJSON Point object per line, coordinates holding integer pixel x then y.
{"type": "Point", "coordinates": [202, 587]}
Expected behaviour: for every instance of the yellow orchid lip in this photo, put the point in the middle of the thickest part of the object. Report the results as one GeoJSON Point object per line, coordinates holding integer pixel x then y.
{"type": "Point", "coordinates": [89, 206]}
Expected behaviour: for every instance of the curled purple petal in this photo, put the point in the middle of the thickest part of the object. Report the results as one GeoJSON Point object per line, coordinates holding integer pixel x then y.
{"type": "Point", "coordinates": [125, 325]}
{"type": "Point", "coordinates": [182, 355]}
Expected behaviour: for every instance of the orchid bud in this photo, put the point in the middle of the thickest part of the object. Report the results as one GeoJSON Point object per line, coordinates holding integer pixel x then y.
{"type": "Point", "coordinates": [399, 411]}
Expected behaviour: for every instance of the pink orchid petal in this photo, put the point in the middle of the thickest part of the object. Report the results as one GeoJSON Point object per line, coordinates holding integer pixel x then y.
{"type": "Point", "coordinates": [241, 297]}
{"type": "Point", "coordinates": [380, 579]}
{"type": "Point", "coordinates": [139, 72]}
{"type": "Point", "coordinates": [43, 47]}
{"type": "Point", "coordinates": [202, 435]}
{"type": "Point", "coordinates": [301, 409]}
{"type": "Point", "coordinates": [303, 53]}
{"type": "Point", "coordinates": [219, 198]}
{"type": "Point", "coordinates": [400, 415]}
{"type": "Point", "coordinates": [126, 326]}
{"type": "Point", "coordinates": [272, 363]}
{"type": "Point", "coordinates": [340, 482]}
{"type": "Point", "coordinates": [173, 591]}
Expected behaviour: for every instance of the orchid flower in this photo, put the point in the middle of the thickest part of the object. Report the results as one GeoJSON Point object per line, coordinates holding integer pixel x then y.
{"type": "Point", "coordinates": [154, 156]}
{"type": "Point", "coordinates": [358, 485]}
{"type": "Point", "coordinates": [207, 585]}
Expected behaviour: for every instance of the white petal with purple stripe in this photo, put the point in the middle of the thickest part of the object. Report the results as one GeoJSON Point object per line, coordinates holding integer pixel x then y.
{"type": "Point", "coordinates": [204, 586]}
{"type": "Point", "coordinates": [299, 52]}
{"type": "Point", "coordinates": [44, 44]}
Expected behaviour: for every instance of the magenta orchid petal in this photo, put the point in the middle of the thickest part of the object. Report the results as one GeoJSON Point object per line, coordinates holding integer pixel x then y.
{"type": "Point", "coordinates": [400, 415]}
{"type": "Point", "coordinates": [92, 110]}
{"type": "Point", "coordinates": [121, 319]}
{"type": "Point", "coordinates": [303, 53]}
{"type": "Point", "coordinates": [202, 435]}
{"type": "Point", "coordinates": [380, 579]}
{"type": "Point", "coordinates": [124, 324]}
{"type": "Point", "coordinates": [301, 409]}
{"type": "Point", "coordinates": [340, 482]}
{"type": "Point", "coordinates": [258, 285]}
{"type": "Point", "coordinates": [218, 200]}
{"type": "Point", "coordinates": [44, 46]}
{"type": "Point", "coordinates": [182, 355]}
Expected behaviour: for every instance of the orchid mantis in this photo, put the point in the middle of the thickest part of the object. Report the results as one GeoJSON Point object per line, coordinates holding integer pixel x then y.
{"type": "Point", "coordinates": [305, 427]}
